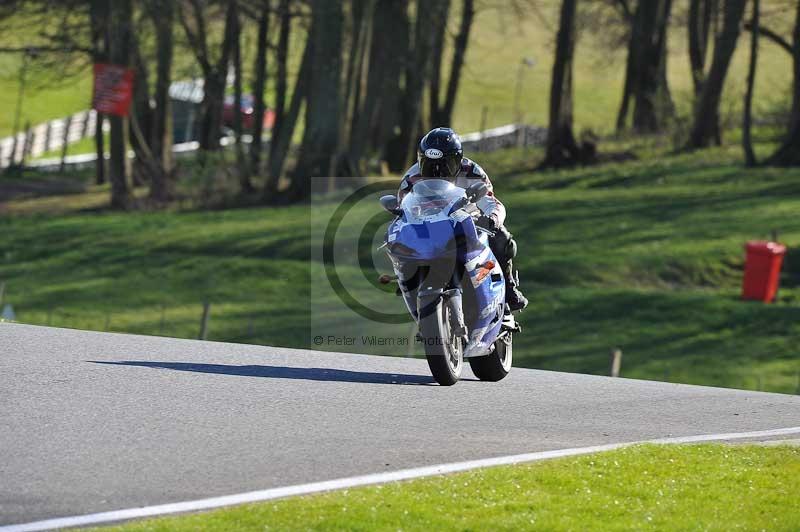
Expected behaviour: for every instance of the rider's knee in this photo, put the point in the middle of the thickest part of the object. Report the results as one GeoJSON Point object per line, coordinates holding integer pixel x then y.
{"type": "Point", "coordinates": [511, 247]}
{"type": "Point", "coordinates": [503, 243]}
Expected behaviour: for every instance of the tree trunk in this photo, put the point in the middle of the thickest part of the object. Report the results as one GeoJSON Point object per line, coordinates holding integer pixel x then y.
{"type": "Point", "coordinates": [562, 149]}
{"type": "Point", "coordinates": [379, 111]}
{"type": "Point", "coordinates": [141, 119]}
{"type": "Point", "coordinates": [242, 170]}
{"type": "Point", "coordinates": [654, 107]}
{"type": "Point", "coordinates": [789, 152]}
{"type": "Point", "coordinates": [459, 52]}
{"type": "Point", "coordinates": [120, 23]}
{"type": "Point", "coordinates": [211, 111]}
{"type": "Point", "coordinates": [193, 20]}
{"type": "Point", "coordinates": [630, 78]}
{"type": "Point", "coordinates": [399, 108]}
{"type": "Point", "coordinates": [277, 140]}
{"type": "Point", "coordinates": [364, 81]}
{"type": "Point", "coordinates": [417, 71]}
{"type": "Point", "coordinates": [321, 135]}
{"type": "Point", "coordinates": [162, 186]}
{"type": "Point", "coordinates": [282, 139]}
{"type": "Point", "coordinates": [440, 14]}
{"type": "Point", "coordinates": [100, 150]}
{"type": "Point", "coordinates": [706, 128]}
{"type": "Point", "coordinates": [259, 85]}
{"type": "Point", "coordinates": [360, 30]}
{"type": "Point", "coordinates": [359, 24]}
{"type": "Point", "coordinates": [699, 24]}
{"type": "Point", "coordinates": [794, 121]}
{"type": "Point", "coordinates": [747, 142]}
{"type": "Point", "coordinates": [98, 20]}
{"type": "Point", "coordinates": [645, 72]}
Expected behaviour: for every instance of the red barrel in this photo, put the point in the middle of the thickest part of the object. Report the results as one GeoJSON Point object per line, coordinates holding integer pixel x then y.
{"type": "Point", "coordinates": [762, 270]}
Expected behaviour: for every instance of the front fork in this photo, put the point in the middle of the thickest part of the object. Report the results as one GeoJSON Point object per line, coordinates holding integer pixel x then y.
{"type": "Point", "coordinates": [452, 298]}
{"type": "Point", "coordinates": [429, 297]}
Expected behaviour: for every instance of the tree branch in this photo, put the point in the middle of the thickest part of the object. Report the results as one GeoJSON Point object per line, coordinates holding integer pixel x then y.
{"type": "Point", "coordinates": [625, 8]}
{"type": "Point", "coordinates": [772, 36]}
{"type": "Point", "coordinates": [41, 49]}
{"type": "Point", "coordinates": [197, 41]}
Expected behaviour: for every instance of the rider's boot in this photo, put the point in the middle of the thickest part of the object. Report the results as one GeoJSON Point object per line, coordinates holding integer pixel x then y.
{"type": "Point", "coordinates": [514, 297]}
{"type": "Point", "coordinates": [505, 249]}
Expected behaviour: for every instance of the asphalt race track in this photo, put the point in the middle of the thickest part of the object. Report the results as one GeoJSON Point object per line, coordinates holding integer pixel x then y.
{"type": "Point", "coordinates": [92, 422]}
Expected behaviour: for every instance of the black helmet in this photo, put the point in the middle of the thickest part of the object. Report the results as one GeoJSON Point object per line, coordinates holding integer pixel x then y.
{"type": "Point", "coordinates": [440, 154]}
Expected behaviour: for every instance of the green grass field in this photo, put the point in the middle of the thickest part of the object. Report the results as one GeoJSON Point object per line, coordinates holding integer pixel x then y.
{"type": "Point", "coordinates": [48, 95]}
{"type": "Point", "coordinates": [500, 39]}
{"type": "Point", "coordinates": [699, 487]}
{"type": "Point", "coordinates": [646, 256]}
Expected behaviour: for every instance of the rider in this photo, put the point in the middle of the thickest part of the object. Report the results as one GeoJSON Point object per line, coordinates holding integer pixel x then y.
{"type": "Point", "coordinates": [440, 156]}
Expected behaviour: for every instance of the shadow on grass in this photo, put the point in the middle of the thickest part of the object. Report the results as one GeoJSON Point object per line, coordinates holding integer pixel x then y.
{"type": "Point", "coordinates": [281, 372]}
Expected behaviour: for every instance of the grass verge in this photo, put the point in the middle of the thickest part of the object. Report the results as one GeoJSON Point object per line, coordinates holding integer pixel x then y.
{"type": "Point", "coordinates": [649, 487]}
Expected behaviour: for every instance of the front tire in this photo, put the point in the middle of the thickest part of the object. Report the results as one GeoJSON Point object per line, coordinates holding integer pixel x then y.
{"type": "Point", "coordinates": [443, 349]}
{"type": "Point", "coordinates": [496, 365]}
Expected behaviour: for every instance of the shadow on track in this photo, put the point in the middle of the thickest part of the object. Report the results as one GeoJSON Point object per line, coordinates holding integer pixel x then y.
{"type": "Point", "coordinates": [281, 372]}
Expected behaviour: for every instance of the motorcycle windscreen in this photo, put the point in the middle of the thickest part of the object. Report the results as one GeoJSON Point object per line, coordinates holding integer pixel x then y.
{"type": "Point", "coordinates": [431, 200]}
{"type": "Point", "coordinates": [427, 241]}
{"type": "Point", "coordinates": [425, 230]}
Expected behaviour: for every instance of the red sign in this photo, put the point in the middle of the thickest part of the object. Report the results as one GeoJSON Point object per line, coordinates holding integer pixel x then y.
{"type": "Point", "coordinates": [113, 89]}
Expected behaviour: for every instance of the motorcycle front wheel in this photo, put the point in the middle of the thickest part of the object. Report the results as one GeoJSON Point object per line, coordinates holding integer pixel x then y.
{"type": "Point", "coordinates": [444, 350]}
{"type": "Point", "coordinates": [496, 365]}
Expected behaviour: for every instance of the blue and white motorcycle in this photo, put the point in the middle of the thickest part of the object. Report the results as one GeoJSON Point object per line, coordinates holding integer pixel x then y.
{"type": "Point", "coordinates": [450, 280]}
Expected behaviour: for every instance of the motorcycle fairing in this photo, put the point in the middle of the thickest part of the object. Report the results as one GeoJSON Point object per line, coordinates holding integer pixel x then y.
{"type": "Point", "coordinates": [489, 289]}
{"type": "Point", "coordinates": [453, 239]}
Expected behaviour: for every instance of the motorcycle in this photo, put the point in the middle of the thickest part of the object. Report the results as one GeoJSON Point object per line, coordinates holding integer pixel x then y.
{"type": "Point", "coordinates": [450, 280]}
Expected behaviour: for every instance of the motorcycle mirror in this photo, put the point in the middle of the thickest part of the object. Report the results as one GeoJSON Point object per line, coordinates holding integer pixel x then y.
{"type": "Point", "coordinates": [389, 203]}
{"type": "Point", "coordinates": [476, 191]}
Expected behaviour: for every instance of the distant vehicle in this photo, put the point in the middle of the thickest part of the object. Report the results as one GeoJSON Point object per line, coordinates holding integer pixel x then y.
{"type": "Point", "coordinates": [439, 255]}
{"type": "Point", "coordinates": [228, 114]}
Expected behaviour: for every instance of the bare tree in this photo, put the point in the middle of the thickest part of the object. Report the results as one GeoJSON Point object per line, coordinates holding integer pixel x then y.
{"type": "Point", "coordinates": [162, 184]}
{"type": "Point", "coordinates": [439, 10]}
{"type": "Point", "coordinates": [441, 111]}
{"type": "Point", "coordinates": [359, 34]}
{"type": "Point", "coordinates": [120, 22]}
{"type": "Point", "coordinates": [321, 135]}
{"type": "Point", "coordinates": [285, 122]}
{"type": "Point", "coordinates": [283, 128]}
{"type": "Point", "coordinates": [417, 70]}
{"type": "Point", "coordinates": [789, 152]}
{"type": "Point", "coordinates": [150, 120]}
{"type": "Point", "coordinates": [747, 142]}
{"type": "Point", "coordinates": [701, 13]}
{"type": "Point", "coordinates": [459, 53]}
{"type": "Point", "coordinates": [646, 69]}
{"type": "Point", "coordinates": [377, 115]}
{"type": "Point", "coordinates": [141, 116]}
{"type": "Point", "coordinates": [706, 129]}
{"type": "Point", "coordinates": [98, 20]}
{"type": "Point", "coordinates": [562, 149]}
{"type": "Point", "coordinates": [259, 85]}
{"type": "Point", "coordinates": [242, 168]}
{"type": "Point", "coordinates": [194, 16]}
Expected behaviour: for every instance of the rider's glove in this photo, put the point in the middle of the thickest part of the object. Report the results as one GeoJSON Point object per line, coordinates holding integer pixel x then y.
{"type": "Point", "coordinates": [488, 222]}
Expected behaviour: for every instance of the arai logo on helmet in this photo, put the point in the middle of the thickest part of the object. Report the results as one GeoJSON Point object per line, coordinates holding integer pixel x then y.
{"type": "Point", "coordinates": [433, 153]}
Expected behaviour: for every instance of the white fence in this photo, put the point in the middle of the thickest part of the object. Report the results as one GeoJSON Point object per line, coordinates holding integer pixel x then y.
{"type": "Point", "coordinates": [508, 136]}
{"type": "Point", "coordinates": [50, 136]}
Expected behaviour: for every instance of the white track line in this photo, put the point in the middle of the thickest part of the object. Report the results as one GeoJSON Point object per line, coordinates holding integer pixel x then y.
{"type": "Point", "coordinates": [351, 482]}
